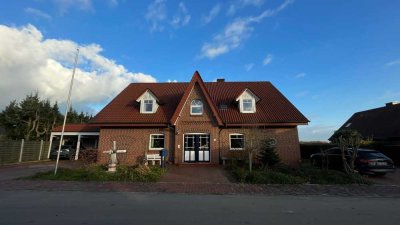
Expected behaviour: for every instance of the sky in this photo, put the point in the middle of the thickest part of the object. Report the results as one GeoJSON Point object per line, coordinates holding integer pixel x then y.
{"type": "Point", "coordinates": [329, 58]}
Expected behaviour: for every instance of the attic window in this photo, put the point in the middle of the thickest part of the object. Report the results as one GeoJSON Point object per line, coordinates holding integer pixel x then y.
{"type": "Point", "coordinates": [196, 108]}
{"type": "Point", "coordinates": [148, 102]}
{"type": "Point", "coordinates": [247, 101]}
{"type": "Point", "coordinates": [148, 106]}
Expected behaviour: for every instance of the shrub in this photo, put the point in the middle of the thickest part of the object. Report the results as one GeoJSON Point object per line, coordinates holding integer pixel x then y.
{"type": "Point", "coordinates": [268, 156]}
{"type": "Point", "coordinates": [88, 156]}
{"type": "Point", "coordinates": [99, 173]}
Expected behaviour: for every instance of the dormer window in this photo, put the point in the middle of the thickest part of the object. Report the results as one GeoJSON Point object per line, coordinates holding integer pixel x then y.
{"type": "Point", "coordinates": [148, 102]}
{"type": "Point", "coordinates": [148, 106]}
{"type": "Point", "coordinates": [248, 105]}
{"type": "Point", "coordinates": [196, 107]}
{"type": "Point", "coordinates": [247, 101]}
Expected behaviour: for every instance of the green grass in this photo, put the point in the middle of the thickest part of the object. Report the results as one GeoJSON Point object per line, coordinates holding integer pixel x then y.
{"type": "Point", "coordinates": [99, 173]}
{"type": "Point", "coordinates": [306, 174]}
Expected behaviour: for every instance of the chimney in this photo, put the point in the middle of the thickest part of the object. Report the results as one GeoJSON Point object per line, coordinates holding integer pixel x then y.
{"type": "Point", "coordinates": [391, 104]}
{"type": "Point", "coordinates": [221, 80]}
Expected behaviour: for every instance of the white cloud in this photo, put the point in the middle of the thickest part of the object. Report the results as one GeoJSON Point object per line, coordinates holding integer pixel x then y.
{"type": "Point", "coordinates": [113, 3]}
{"type": "Point", "coordinates": [300, 75]}
{"type": "Point", "coordinates": [37, 13]}
{"type": "Point", "coordinates": [30, 62]}
{"type": "Point", "coordinates": [393, 63]}
{"type": "Point", "coordinates": [236, 5]}
{"type": "Point", "coordinates": [212, 14]}
{"type": "Point", "coordinates": [267, 60]}
{"type": "Point", "coordinates": [234, 33]}
{"type": "Point", "coordinates": [182, 18]}
{"type": "Point", "coordinates": [249, 66]}
{"type": "Point", "coordinates": [156, 14]}
{"type": "Point", "coordinates": [65, 5]}
{"type": "Point", "coordinates": [172, 81]}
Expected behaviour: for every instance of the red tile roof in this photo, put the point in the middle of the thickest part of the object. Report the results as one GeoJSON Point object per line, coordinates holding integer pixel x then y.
{"type": "Point", "coordinates": [272, 109]}
{"type": "Point", "coordinates": [82, 127]}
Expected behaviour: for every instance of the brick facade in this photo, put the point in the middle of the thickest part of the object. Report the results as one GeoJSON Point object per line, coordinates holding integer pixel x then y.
{"type": "Point", "coordinates": [136, 140]}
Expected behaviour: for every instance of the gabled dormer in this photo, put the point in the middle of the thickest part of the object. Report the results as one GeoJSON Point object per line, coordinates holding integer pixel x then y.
{"type": "Point", "coordinates": [247, 101]}
{"type": "Point", "coordinates": [148, 102]}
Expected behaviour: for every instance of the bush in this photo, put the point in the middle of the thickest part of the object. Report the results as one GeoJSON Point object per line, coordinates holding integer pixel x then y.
{"type": "Point", "coordinates": [268, 156]}
{"type": "Point", "coordinates": [88, 156]}
{"type": "Point", "coordinates": [302, 175]}
{"type": "Point", "coordinates": [99, 173]}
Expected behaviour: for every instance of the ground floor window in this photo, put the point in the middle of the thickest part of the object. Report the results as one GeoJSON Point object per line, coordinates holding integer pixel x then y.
{"type": "Point", "coordinates": [236, 141]}
{"type": "Point", "coordinates": [157, 141]}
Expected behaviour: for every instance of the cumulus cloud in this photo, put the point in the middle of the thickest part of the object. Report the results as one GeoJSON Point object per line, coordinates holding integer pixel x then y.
{"type": "Point", "coordinates": [267, 60]}
{"type": "Point", "coordinates": [37, 13]}
{"type": "Point", "coordinates": [212, 14]}
{"type": "Point", "coordinates": [236, 32]}
{"type": "Point", "coordinates": [29, 62]}
{"type": "Point", "coordinates": [182, 18]}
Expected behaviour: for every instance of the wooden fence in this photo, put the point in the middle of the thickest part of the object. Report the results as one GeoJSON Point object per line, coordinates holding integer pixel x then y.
{"type": "Point", "coordinates": [16, 151]}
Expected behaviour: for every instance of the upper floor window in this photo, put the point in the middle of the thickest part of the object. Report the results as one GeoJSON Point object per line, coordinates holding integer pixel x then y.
{"type": "Point", "coordinates": [148, 102]}
{"type": "Point", "coordinates": [247, 105]}
{"type": "Point", "coordinates": [148, 106]}
{"type": "Point", "coordinates": [247, 101]}
{"type": "Point", "coordinates": [196, 107]}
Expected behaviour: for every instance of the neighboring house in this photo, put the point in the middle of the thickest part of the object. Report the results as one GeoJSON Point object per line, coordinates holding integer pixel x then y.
{"type": "Point", "coordinates": [197, 122]}
{"type": "Point", "coordinates": [380, 124]}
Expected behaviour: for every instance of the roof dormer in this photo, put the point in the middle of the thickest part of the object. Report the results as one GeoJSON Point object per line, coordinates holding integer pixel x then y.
{"type": "Point", "coordinates": [247, 101]}
{"type": "Point", "coordinates": [148, 102]}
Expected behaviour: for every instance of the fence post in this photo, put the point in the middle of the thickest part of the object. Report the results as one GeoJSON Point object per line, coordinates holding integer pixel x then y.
{"type": "Point", "coordinates": [41, 148]}
{"type": "Point", "coordinates": [21, 151]}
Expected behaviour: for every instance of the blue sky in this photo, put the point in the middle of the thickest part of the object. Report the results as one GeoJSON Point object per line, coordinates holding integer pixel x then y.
{"type": "Point", "coordinates": [329, 58]}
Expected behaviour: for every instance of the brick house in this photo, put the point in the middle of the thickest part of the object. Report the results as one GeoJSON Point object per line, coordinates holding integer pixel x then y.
{"type": "Point", "coordinates": [197, 122]}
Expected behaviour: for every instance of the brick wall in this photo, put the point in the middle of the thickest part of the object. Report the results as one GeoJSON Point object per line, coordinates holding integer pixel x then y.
{"type": "Point", "coordinates": [134, 140]}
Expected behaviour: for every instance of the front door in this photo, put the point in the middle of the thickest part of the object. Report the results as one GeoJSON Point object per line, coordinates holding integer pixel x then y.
{"type": "Point", "coordinates": [196, 148]}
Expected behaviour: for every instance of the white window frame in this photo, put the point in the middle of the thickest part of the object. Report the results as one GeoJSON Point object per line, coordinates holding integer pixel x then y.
{"type": "Point", "coordinates": [144, 105]}
{"type": "Point", "coordinates": [196, 106]}
{"type": "Point", "coordinates": [151, 135]}
{"type": "Point", "coordinates": [230, 143]}
{"type": "Point", "coordinates": [252, 105]}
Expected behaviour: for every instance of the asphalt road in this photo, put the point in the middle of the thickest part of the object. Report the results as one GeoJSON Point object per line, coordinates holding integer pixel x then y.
{"type": "Point", "coordinates": [74, 207]}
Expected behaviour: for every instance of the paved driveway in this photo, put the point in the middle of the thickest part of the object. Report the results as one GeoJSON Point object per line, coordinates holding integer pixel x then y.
{"type": "Point", "coordinates": [204, 174]}
{"type": "Point", "coordinates": [388, 179]}
{"type": "Point", "coordinates": [9, 172]}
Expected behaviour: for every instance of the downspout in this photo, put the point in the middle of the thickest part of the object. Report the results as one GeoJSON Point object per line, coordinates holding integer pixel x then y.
{"type": "Point", "coordinates": [219, 144]}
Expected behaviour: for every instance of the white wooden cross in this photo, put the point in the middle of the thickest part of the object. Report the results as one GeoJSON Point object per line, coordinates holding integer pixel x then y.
{"type": "Point", "coordinates": [113, 157]}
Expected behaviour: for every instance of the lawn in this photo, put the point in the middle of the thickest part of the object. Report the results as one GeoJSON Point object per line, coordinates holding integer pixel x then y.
{"type": "Point", "coordinates": [99, 173]}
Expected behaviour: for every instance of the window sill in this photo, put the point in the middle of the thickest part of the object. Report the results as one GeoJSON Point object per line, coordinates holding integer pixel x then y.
{"type": "Point", "coordinates": [155, 149]}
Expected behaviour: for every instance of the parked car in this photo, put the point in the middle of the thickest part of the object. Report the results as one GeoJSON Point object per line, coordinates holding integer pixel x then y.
{"type": "Point", "coordinates": [367, 161]}
{"type": "Point", "coordinates": [67, 152]}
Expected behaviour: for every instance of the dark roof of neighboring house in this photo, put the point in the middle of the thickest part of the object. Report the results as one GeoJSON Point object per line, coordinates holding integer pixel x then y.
{"type": "Point", "coordinates": [272, 109]}
{"type": "Point", "coordinates": [379, 123]}
{"type": "Point", "coordinates": [81, 127]}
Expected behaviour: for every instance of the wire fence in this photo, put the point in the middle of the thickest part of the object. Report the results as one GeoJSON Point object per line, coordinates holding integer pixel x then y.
{"type": "Point", "coordinates": [17, 151]}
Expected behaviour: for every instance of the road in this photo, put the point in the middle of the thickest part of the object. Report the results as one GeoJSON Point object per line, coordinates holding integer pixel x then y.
{"type": "Point", "coordinates": [77, 207]}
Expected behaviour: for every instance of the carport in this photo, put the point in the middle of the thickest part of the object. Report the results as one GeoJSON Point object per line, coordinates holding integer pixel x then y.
{"type": "Point", "coordinates": [76, 133]}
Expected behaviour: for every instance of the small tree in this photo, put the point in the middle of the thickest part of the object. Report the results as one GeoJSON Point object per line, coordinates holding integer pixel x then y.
{"type": "Point", "coordinates": [268, 156]}
{"type": "Point", "coordinates": [253, 139]}
{"type": "Point", "coordinates": [348, 139]}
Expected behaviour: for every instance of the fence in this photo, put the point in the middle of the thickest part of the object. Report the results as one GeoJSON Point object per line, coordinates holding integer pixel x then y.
{"type": "Point", "coordinates": [16, 151]}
